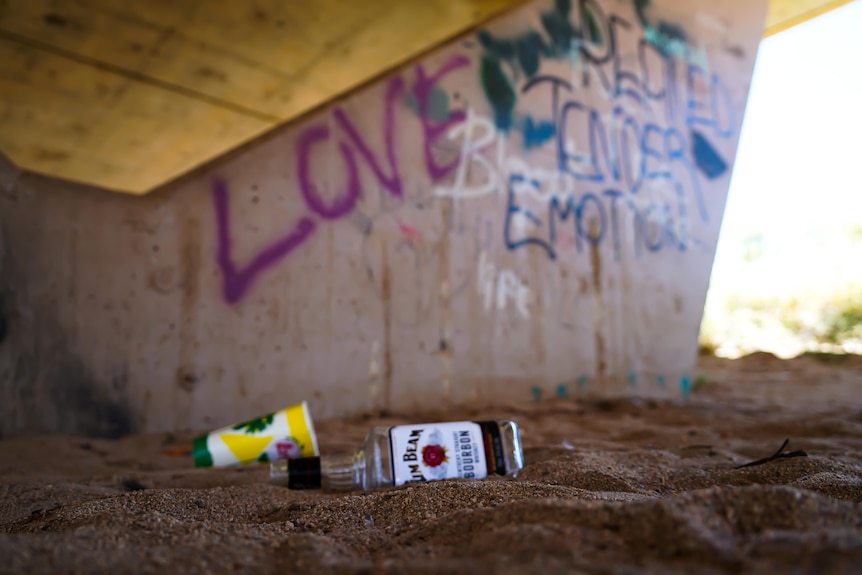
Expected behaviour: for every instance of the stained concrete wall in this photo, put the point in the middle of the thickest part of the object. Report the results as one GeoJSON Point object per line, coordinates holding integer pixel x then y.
{"type": "Point", "coordinates": [529, 211]}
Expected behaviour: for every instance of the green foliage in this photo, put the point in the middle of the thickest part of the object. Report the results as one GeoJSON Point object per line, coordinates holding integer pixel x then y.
{"type": "Point", "coordinates": [706, 347]}
{"type": "Point", "coordinates": [255, 425]}
{"type": "Point", "coordinates": [844, 323]}
{"type": "Point", "coordinates": [829, 320]}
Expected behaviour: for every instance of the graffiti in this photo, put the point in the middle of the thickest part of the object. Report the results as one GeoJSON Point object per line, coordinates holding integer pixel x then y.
{"type": "Point", "coordinates": [236, 281]}
{"type": "Point", "coordinates": [523, 54]}
{"type": "Point", "coordinates": [624, 160]}
{"type": "Point", "coordinates": [622, 112]}
{"type": "Point", "coordinates": [319, 134]}
{"type": "Point", "coordinates": [436, 124]}
{"type": "Point", "coordinates": [708, 161]}
{"type": "Point", "coordinates": [410, 233]}
{"type": "Point", "coordinates": [625, 166]}
{"type": "Point", "coordinates": [477, 134]}
{"type": "Point", "coordinates": [593, 43]}
{"type": "Point", "coordinates": [499, 287]}
{"type": "Point", "coordinates": [668, 35]}
{"type": "Point", "coordinates": [312, 143]}
{"type": "Point", "coordinates": [594, 217]}
{"type": "Point", "coordinates": [537, 133]}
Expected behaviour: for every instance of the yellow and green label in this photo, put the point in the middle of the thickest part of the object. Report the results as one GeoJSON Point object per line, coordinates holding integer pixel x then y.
{"type": "Point", "coordinates": [285, 434]}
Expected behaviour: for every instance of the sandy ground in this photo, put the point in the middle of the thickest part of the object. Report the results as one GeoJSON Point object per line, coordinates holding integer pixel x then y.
{"type": "Point", "coordinates": [610, 486]}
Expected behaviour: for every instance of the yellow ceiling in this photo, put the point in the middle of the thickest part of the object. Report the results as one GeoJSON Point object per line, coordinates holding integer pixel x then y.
{"type": "Point", "coordinates": [128, 95]}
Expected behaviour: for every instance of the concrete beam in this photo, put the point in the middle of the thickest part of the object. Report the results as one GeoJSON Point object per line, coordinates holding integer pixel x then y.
{"type": "Point", "coordinates": [127, 96]}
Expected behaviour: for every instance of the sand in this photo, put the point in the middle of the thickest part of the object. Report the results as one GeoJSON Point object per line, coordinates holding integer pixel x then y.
{"type": "Point", "coordinates": [610, 486]}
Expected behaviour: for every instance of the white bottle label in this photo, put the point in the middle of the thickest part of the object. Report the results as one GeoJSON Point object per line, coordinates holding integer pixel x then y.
{"type": "Point", "coordinates": [431, 451]}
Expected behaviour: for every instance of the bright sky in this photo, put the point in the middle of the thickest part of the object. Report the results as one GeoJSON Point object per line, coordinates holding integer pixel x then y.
{"type": "Point", "coordinates": [797, 174]}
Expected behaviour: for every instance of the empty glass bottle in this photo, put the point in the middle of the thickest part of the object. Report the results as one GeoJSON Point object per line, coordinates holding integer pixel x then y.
{"type": "Point", "coordinates": [406, 453]}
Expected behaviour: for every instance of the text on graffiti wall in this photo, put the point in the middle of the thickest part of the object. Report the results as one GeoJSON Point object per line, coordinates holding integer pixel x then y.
{"type": "Point", "coordinates": [599, 129]}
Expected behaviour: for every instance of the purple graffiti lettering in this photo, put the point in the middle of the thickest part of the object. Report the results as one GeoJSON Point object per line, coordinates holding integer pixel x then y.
{"type": "Point", "coordinates": [433, 131]}
{"type": "Point", "coordinates": [235, 282]}
{"type": "Point", "coordinates": [315, 203]}
{"type": "Point", "coordinates": [391, 182]}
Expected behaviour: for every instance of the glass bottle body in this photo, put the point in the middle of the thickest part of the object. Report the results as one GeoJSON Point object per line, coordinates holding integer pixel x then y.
{"type": "Point", "coordinates": [407, 453]}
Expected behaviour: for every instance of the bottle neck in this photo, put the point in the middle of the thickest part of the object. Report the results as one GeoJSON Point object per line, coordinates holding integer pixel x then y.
{"type": "Point", "coordinates": [302, 473]}
{"type": "Point", "coordinates": [342, 472]}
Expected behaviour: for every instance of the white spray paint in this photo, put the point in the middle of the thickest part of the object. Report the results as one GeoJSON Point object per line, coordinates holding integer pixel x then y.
{"type": "Point", "coordinates": [499, 288]}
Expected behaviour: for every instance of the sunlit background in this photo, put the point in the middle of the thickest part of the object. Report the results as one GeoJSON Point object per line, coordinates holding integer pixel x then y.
{"type": "Point", "coordinates": [788, 271]}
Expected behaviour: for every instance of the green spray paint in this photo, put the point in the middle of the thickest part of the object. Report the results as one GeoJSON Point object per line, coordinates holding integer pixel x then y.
{"type": "Point", "coordinates": [670, 39]}
{"type": "Point", "coordinates": [499, 92]}
{"type": "Point", "coordinates": [438, 105]}
{"type": "Point", "coordinates": [593, 29]}
{"type": "Point", "coordinates": [523, 55]}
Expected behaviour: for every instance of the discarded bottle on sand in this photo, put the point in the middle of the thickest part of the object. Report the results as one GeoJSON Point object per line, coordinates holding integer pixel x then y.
{"type": "Point", "coordinates": [392, 456]}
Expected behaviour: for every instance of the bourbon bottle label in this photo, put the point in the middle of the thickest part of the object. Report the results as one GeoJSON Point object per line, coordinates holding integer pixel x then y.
{"type": "Point", "coordinates": [432, 451]}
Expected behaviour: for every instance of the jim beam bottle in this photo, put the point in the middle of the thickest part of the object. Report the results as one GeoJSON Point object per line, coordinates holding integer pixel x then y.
{"type": "Point", "coordinates": [408, 453]}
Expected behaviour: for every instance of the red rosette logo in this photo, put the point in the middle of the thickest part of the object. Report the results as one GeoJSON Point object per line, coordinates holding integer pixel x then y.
{"type": "Point", "coordinates": [435, 458]}
{"type": "Point", "coordinates": [288, 449]}
{"type": "Point", "coordinates": [434, 455]}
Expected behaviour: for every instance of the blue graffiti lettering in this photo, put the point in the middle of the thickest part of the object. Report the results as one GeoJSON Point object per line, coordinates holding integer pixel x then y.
{"type": "Point", "coordinates": [706, 158]}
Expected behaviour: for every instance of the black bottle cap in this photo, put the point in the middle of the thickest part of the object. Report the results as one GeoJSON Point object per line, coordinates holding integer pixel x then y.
{"type": "Point", "coordinates": [303, 473]}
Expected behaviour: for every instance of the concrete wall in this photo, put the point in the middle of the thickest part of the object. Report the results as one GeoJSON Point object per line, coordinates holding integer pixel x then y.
{"type": "Point", "coordinates": [527, 212]}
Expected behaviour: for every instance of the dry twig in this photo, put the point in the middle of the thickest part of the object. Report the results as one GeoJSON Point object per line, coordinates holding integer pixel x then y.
{"type": "Point", "coordinates": [777, 455]}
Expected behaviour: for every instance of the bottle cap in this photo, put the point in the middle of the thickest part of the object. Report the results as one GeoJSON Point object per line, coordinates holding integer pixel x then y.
{"type": "Point", "coordinates": [302, 473]}
{"type": "Point", "coordinates": [284, 434]}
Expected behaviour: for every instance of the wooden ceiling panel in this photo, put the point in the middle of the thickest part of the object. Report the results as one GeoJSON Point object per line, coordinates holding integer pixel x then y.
{"type": "Point", "coordinates": [784, 14]}
{"type": "Point", "coordinates": [129, 94]}
{"type": "Point", "coordinates": [84, 124]}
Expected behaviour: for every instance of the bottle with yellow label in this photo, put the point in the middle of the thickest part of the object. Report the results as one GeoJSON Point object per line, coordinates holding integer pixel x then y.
{"type": "Point", "coordinates": [409, 453]}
